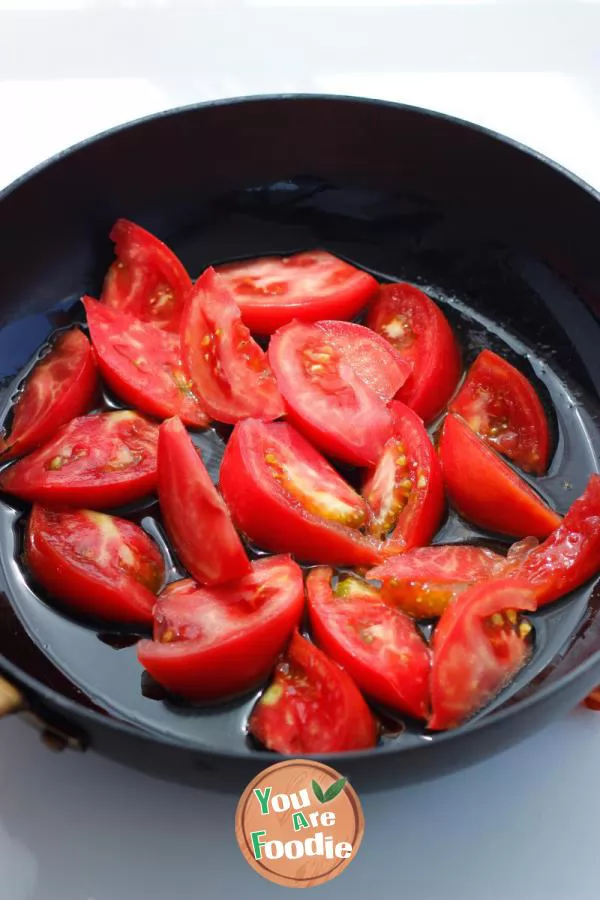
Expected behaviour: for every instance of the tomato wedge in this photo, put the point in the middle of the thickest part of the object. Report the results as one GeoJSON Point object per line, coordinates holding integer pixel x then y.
{"type": "Point", "coordinates": [485, 490]}
{"type": "Point", "coordinates": [325, 398]}
{"type": "Point", "coordinates": [142, 364]}
{"type": "Point", "coordinates": [64, 384]}
{"type": "Point", "coordinates": [107, 459]}
{"type": "Point", "coordinates": [502, 407]}
{"type": "Point", "coordinates": [570, 556]}
{"type": "Point", "coordinates": [274, 290]}
{"type": "Point", "coordinates": [405, 490]}
{"type": "Point", "coordinates": [369, 356]}
{"type": "Point", "coordinates": [420, 332]}
{"type": "Point", "coordinates": [147, 280]}
{"type": "Point", "coordinates": [212, 643]}
{"type": "Point", "coordinates": [592, 701]}
{"type": "Point", "coordinates": [479, 645]}
{"type": "Point", "coordinates": [311, 706]}
{"type": "Point", "coordinates": [227, 368]}
{"type": "Point", "coordinates": [195, 516]}
{"type": "Point", "coordinates": [379, 647]}
{"type": "Point", "coordinates": [285, 497]}
{"type": "Point", "coordinates": [424, 581]}
{"type": "Point", "coordinates": [98, 565]}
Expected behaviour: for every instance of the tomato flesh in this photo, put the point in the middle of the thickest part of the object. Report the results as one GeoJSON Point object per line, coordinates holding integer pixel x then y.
{"type": "Point", "coordinates": [99, 565]}
{"type": "Point", "coordinates": [424, 581]}
{"type": "Point", "coordinates": [379, 647]}
{"type": "Point", "coordinates": [212, 643]}
{"type": "Point", "coordinates": [405, 490]}
{"type": "Point", "coordinates": [501, 406]}
{"type": "Point", "coordinates": [324, 397]}
{"type": "Point", "coordinates": [64, 384]}
{"type": "Point", "coordinates": [570, 556]}
{"type": "Point", "coordinates": [312, 706]}
{"type": "Point", "coordinates": [286, 497]}
{"type": "Point", "coordinates": [371, 357]}
{"type": "Point", "coordinates": [485, 490]}
{"type": "Point", "coordinates": [195, 516]}
{"type": "Point", "coordinates": [97, 461]}
{"type": "Point", "coordinates": [227, 368]}
{"type": "Point", "coordinates": [142, 364]}
{"type": "Point", "coordinates": [417, 328]}
{"type": "Point", "coordinates": [272, 291]}
{"type": "Point", "coordinates": [147, 280]}
{"type": "Point", "coordinates": [479, 645]}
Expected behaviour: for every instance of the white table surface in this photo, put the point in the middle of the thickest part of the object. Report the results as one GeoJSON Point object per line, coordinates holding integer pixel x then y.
{"type": "Point", "coordinates": [522, 825]}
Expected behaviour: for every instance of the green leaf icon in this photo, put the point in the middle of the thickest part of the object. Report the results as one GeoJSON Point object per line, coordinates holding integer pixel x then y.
{"type": "Point", "coordinates": [334, 789]}
{"type": "Point", "coordinates": [318, 792]}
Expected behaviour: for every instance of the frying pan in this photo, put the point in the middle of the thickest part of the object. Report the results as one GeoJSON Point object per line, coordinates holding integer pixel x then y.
{"type": "Point", "coordinates": [504, 239]}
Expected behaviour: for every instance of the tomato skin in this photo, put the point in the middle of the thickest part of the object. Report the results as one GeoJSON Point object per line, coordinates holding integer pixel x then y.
{"type": "Point", "coordinates": [147, 280]}
{"type": "Point", "coordinates": [464, 654]}
{"type": "Point", "coordinates": [492, 495]}
{"type": "Point", "coordinates": [269, 515]}
{"type": "Point", "coordinates": [99, 565]}
{"type": "Point", "coordinates": [154, 382]}
{"type": "Point", "coordinates": [408, 476]}
{"type": "Point", "coordinates": [394, 669]}
{"type": "Point", "coordinates": [424, 581]}
{"type": "Point", "coordinates": [97, 461]}
{"type": "Point", "coordinates": [312, 706]}
{"type": "Point", "coordinates": [420, 332]}
{"type": "Point", "coordinates": [273, 291]}
{"type": "Point", "coordinates": [64, 384]}
{"type": "Point", "coordinates": [371, 357]}
{"type": "Point", "coordinates": [325, 399]}
{"type": "Point", "coordinates": [228, 637]}
{"type": "Point", "coordinates": [502, 407]}
{"type": "Point", "coordinates": [195, 516]}
{"type": "Point", "coordinates": [570, 556]}
{"type": "Point", "coordinates": [228, 369]}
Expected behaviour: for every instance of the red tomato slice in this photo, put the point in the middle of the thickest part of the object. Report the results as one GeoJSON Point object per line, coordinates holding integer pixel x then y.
{"type": "Point", "coordinates": [479, 645]}
{"type": "Point", "coordinates": [312, 706]}
{"type": "Point", "coordinates": [107, 459]}
{"type": "Point", "coordinates": [405, 490]}
{"type": "Point", "coordinates": [370, 356]}
{"type": "Point", "coordinates": [592, 701]}
{"type": "Point", "coordinates": [423, 581]}
{"type": "Point", "coordinates": [147, 280]}
{"type": "Point", "coordinates": [274, 290]}
{"type": "Point", "coordinates": [485, 490]}
{"type": "Point", "coordinates": [142, 364]}
{"type": "Point", "coordinates": [228, 369]}
{"type": "Point", "coordinates": [212, 643]}
{"type": "Point", "coordinates": [285, 497]}
{"type": "Point", "coordinates": [571, 555]}
{"type": "Point", "coordinates": [195, 517]}
{"type": "Point", "coordinates": [99, 565]}
{"type": "Point", "coordinates": [325, 398]}
{"type": "Point", "coordinates": [420, 332]}
{"type": "Point", "coordinates": [379, 647]}
{"type": "Point", "coordinates": [62, 385]}
{"type": "Point", "coordinates": [502, 407]}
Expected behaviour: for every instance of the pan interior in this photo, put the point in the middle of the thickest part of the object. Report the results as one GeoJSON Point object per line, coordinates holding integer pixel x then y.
{"type": "Point", "coordinates": [494, 295]}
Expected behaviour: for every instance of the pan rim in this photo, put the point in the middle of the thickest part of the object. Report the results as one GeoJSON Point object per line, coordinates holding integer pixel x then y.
{"type": "Point", "coordinates": [65, 705]}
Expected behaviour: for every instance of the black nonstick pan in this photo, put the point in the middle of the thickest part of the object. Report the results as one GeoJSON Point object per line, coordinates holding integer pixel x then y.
{"type": "Point", "coordinates": [504, 239]}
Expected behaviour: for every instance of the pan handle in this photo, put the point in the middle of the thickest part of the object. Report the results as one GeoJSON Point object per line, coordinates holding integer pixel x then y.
{"type": "Point", "coordinates": [11, 699]}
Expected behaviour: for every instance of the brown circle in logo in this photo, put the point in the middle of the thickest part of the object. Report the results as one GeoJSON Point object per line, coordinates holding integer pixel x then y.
{"type": "Point", "coordinates": [299, 823]}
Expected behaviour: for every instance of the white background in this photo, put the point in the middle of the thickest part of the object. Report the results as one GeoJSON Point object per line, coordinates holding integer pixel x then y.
{"type": "Point", "coordinates": [524, 825]}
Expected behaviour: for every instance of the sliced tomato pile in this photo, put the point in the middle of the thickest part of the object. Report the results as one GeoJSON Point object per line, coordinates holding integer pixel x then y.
{"type": "Point", "coordinates": [351, 478]}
